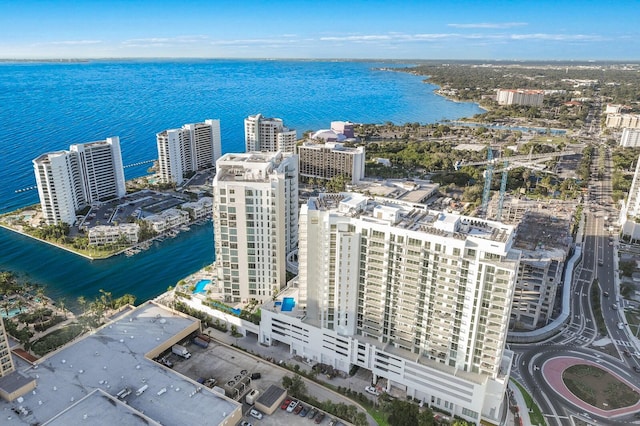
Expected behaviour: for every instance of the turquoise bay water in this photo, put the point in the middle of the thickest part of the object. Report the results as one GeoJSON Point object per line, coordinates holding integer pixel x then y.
{"type": "Point", "coordinates": [48, 106]}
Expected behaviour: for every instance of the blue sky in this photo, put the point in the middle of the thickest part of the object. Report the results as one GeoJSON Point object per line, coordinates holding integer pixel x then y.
{"type": "Point", "coordinates": [427, 29]}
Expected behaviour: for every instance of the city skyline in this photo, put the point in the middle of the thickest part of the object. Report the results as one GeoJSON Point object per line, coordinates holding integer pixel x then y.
{"type": "Point", "coordinates": [352, 29]}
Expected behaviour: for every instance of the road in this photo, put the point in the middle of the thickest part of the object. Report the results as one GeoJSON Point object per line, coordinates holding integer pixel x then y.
{"type": "Point", "coordinates": [578, 336]}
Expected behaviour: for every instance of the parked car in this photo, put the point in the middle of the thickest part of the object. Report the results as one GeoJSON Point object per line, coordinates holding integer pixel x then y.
{"type": "Point", "coordinates": [372, 390]}
{"type": "Point", "coordinates": [304, 412]}
{"type": "Point", "coordinates": [319, 418]}
{"type": "Point", "coordinates": [292, 405]}
{"type": "Point", "coordinates": [298, 409]}
{"type": "Point", "coordinates": [312, 413]}
{"type": "Point", "coordinates": [285, 404]}
{"type": "Point", "coordinates": [255, 376]}
{"type": "Point", "coordinates": [255, 413]}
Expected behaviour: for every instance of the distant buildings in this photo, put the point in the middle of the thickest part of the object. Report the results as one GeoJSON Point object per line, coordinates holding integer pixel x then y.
{"type": "Point", "coordinates": [630, 138]}
{"type": "Point", "coordinates": [340, 131]}
{"type": "Point", "coordinates": [268, 135]}
{"type": "Point", "coordinates": [330, 159]}
{"type": "Point", "coordinates": [70, 180]}
{"type": "Point", "coordinates": [520, 97]}
{"type": "Point", "coordinates": [188, 149]}
{"type": "Point", "coordinates": [421, 298]}
{"type": "Point", "coordinates": [255, 214]}
{"type": "Point", "coordinates": [618, 121]}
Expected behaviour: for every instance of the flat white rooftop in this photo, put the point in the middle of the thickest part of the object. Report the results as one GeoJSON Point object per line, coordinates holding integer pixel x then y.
{"type": "Point", "coordinates": [111, 359]}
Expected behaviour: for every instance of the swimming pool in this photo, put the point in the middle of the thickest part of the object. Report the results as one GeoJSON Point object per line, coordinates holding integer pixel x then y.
{"type": "Point", "coordinates": [200, 285]}
{"type": "Point", "coordinates": [287, 304]}
{"type": "Point", "coordinates": [12, 313]}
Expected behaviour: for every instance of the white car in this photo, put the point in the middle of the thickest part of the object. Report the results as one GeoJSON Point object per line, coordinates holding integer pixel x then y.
{"type": "Point", "coordinates": [292, 405]}
{"type": "Point", "coordinates": [372, 390]}
{"type": "Point", "coordinates": [255, 413]}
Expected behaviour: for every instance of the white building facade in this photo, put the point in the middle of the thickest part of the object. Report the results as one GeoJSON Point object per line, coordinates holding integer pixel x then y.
{"type": "Point", "coordinates": [255, 216]}
{"type": "Point", "coordinates": [104, 234]}
{"type": "Point", "coordinates": [420, 298]}
{"type": "Point", "coordinates": [70, 180]}
{"type": "Point", "coordinates": [102, 169]}
{"type": "Point", "coordinates": [618, 121]}
{"type": "Point", "coordinates": [520, 97]}
{"type": "Point", "coordinates": [188, 149]}
{"type": "Point", "coordinates": [630, 138]}
{"type": "Point", "coordinates": [268, 135]}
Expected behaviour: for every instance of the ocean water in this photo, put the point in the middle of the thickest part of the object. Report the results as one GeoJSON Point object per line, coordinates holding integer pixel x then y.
{"type": "Point", "coordinates": [48, 106]}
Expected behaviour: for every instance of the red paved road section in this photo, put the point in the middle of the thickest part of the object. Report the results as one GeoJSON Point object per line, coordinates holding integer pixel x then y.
{"type": "Point", "coordinates": [552, 372]}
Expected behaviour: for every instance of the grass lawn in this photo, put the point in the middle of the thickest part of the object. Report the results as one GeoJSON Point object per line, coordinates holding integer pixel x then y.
{"type": "Point", "coordinates": [598, 388]}
{"type": "Point", "coordinates": [535, 415]}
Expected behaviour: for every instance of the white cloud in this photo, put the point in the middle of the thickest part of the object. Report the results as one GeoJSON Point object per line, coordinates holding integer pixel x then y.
{"type": "Point", "coordinates": [71, 42]}
{"type": "Point", "coordinates": [490, 25]}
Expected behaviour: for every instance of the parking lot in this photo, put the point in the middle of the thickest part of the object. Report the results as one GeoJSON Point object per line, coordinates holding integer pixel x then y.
{"type": "Point", "coordinates": [226, 364]}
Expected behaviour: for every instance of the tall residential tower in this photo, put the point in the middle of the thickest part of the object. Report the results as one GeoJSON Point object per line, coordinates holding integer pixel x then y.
{"type": "Point", "coordinates": [268, 135]}
{"type": "Point", "coordinates": [421, 298]}
{"type": "Point", "coordinates": [70, 180]}
{"type": "Point", "coordinates": [188, 149]}
{"type": "Point", "coordinates": [255, 215]}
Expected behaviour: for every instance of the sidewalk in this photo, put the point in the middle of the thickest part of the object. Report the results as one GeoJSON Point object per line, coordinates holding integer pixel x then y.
{"type": "Point", "coordinates": [518, 414]}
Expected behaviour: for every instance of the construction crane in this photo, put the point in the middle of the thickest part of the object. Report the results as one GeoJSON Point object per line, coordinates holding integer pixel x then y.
{"type": "Point", "coordinates": [508, 163]}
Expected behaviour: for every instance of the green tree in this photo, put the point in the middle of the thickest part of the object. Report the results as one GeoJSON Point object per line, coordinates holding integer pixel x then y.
{"type": "Point", "coordinates": [402, 413]}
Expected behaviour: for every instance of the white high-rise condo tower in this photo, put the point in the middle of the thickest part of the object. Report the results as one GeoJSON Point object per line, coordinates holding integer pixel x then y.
{"type": "Point", "coordinates": [70, 180]}
{"type": "Point", "coordinates": [255, 213]}
{"type": "Point", "coordinates": [421, 298]}
{"type": "Point", "coordinates": [268, 135]}
{"type": "Point", "coordinates": [188, 149]}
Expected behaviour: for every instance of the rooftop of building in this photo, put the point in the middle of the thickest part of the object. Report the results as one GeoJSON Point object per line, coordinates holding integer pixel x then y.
{"type": "Point", "coordinates": [411, 216]}
{"type": "Point", "coordinates": [545, 232]}
{"type": "Point", "coordinates": [249, 166]}
{"type": "Point", "coordinates": [113, 358]}
{"type": "Point", "coordinates": [414, 191]}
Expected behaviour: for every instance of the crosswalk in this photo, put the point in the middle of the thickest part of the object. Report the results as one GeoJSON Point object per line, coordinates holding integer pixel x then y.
{"type": "Point", "coordinates": [623, 343]}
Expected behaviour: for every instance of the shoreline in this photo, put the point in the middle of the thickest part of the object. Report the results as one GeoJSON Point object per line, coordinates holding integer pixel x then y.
{"type": "Point", "coordinates": [50, 243]}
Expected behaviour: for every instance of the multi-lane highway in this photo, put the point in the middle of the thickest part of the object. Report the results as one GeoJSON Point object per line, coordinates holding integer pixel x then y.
{"type": "Point", "coordinates": [577, 338]}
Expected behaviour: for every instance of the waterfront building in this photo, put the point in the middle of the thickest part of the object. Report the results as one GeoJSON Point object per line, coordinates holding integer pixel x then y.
{"type": "Point", "coordinates": [70, 180]}
{"type": "Point", "coordinates": [630, 138]}
{"type": "Point", "coordinates": [59, 182]}
{"type": "Point", "coordinates": [617, 121]}
{"type": "Point", "coordinates": [340, 131]}
{"type": "Point", "coordinates": [421, 298]}
{"type": "Point", "coordinates": [268, 135]}
{"type": "Point", "coordinates": [108, 234]}
{"type": "Point", "coordinates": [101, 168]}
{"type": "Point", "coordinates": [167, 220]}
{"type": "Point", "coordinates": [188, 149]}
{"type": "Point", "coordinates": [255, 218]}
{"type": "Point", "coordinates": [520, 97]}
{"type": "Point", "coordinates": [199, 209]}
{"type": "Point", "coordinates": [328, 160]}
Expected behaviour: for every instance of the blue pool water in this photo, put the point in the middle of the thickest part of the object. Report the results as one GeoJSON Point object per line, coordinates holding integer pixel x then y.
{"type": "Point", "coordinates": [200, 285]}
{"type": "Point", "coordinates": [287, 304]}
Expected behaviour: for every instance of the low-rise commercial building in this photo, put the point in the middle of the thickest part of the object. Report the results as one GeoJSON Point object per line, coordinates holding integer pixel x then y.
{"type": "Point", "coordinates": [109, 377]}
{"type": "Point", "coordinates": [105, 234]}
